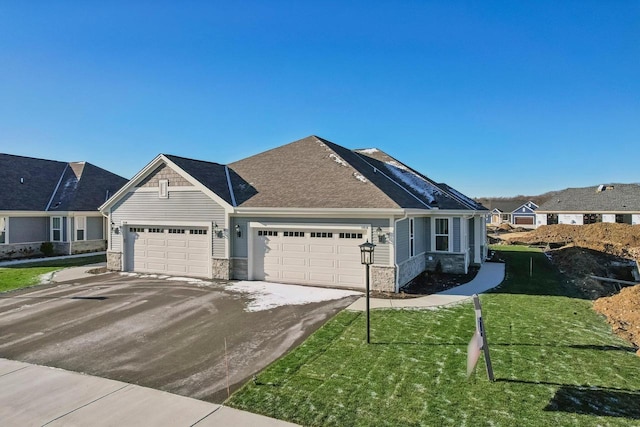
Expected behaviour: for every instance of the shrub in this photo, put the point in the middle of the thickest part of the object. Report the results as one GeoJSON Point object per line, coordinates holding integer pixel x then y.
{"type": "Point", "coordinates": [46, 248]}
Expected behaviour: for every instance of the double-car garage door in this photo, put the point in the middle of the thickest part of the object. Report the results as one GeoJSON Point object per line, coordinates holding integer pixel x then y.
{"type": "Point", "coordinates": [308, 256]}
{"type": "Point", "coordinates": [169, 250]}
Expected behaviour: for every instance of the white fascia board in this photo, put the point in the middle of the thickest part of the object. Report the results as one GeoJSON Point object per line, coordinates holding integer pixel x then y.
{"type": "Point", "coordinates": [319, 226]}
{"type": "Point", "coordinates": [318, 212]}
{"type": "Point", "coordinates": [165, 223]}
{"type": "Point", "coordinates": [49, 213]}
{"type": "Point", "coordinates": [132, 182]}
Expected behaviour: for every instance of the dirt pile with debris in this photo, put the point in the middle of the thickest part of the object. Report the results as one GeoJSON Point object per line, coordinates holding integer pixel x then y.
{"type": "Point", "coordinates": [616, 239]}
{"type": "Point", "coordinates": [623, 313]}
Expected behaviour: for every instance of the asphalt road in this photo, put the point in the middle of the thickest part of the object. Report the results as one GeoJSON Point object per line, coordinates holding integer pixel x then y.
{"type": "Point", "coordinates": [164, 334]}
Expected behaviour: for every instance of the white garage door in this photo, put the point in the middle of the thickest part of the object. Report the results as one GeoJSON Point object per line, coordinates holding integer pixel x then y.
{"type": "Point", "coordinates": [315, 257]}
{"type": "Point", "coordinates": [169, 250]}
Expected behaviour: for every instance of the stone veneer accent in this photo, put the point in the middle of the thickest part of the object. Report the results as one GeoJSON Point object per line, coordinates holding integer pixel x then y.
{"type": "Point", "coordinates": [164, 172]}
{"type": "Point", "coordinates": [83, 246]}
{"type": "Point", "coordinates": [410, 269]}
{"type": "Point", "coordinates": [114, 261]}
{"type": "Point", "coordinates": [26, 250]}
{"type": "Point", "coordinates": [383, 278]}
{"type": "Point", "coordinates": [450, 263]}
{"type": "Point", "coordinates": [220, 268]}
{"type": "Point", "coordinates": [239, 268]}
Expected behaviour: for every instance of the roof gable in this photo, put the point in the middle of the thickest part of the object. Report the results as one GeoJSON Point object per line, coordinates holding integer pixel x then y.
{"type": "Point", "coordinates": [32, 184]}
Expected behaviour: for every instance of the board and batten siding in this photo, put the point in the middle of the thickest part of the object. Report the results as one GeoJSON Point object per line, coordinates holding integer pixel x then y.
{"type": "Point", "coordinates": [381, 253]}
{"type": "Point", "coordinates": [456, 234]}
{"type": "Point", "coordinates": [29, 229]}
{"type": "Point", "coordinates": [137, 207]}
{"type": "Point", "coordinates": [95, 228]}
{"type": "Point", "coordinates": [419, 235]}
{"type": "Point", "coordinates": [402, 240]}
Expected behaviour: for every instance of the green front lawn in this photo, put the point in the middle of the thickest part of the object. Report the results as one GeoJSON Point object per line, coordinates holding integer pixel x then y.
{"type": "Point", "coordinates": [556, 362]}
{"type": "Point", "coordinates": [23, 275]}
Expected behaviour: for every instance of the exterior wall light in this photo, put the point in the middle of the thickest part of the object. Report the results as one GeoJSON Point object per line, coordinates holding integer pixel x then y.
{"type": "Point", "coordinates": [238, 231]}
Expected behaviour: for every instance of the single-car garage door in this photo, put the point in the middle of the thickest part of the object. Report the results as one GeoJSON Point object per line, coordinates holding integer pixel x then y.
{"type": "Point", "coordinates": [169, 250]}
{"type": "Point", "coordinates": [315, 257]}
{"type": "Point", "coordinates": [524, 220]}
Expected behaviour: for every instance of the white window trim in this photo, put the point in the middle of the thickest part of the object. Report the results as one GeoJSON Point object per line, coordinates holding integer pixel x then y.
{"type": "Point", "coordinates": [449, 234]}
{"type": "Point", "coordinates": [163, 188]}
{"type": "Point", "coordinates": [83, 221]}
{"type": "Point", "coordinates": [61, 228]}
{"type": "Point", "coordinates": [412, 243]}
{"type": "Point", "coordinates": [6, 229]}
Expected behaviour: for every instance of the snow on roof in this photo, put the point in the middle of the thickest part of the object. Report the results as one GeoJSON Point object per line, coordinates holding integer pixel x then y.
{"type": "Point", "coordinates": [368, 150]}
{"type": "Point", "coordinates": [416, 182]}
{"type": "Point", "coordinates": [337, 159]}
{"type": "Point", "coordinates": [359, 177]}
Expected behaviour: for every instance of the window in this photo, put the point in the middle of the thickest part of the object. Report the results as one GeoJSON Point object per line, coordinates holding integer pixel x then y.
{"type": "Point", "coordinates": [198, 231]}
{"type": "Point", "coordinates": [3, 229]}
{"type": "Point", "coordinates": [156, 230]}
{"type": "Point", "coordinates": [442, 234]}
{"type": "Point", "coordinates": [137, 230]}
{"type": "Point", "coordinates": [293, 233]}
{"type": "Point", "coordinates": [591, 218]}
{"type": "Point", "coordinates": [322, 235]}
{"type": "Point", "coordinates": [56, 229]}
{"type": "Point", "coordinates": [411, 240]}
{"type": "Point", "coordinates": [81, 225]}
{"type": "Point", "coordinates": [267, 233]}
{"type": "Point", "coordinates": [176, 231]}
{"type": "Point", "coordinates": [350, 235]}
{"type": "Point", "coordinates": [163, 188]}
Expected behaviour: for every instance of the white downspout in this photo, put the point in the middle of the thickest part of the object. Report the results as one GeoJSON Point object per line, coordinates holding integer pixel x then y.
{"type": "Point", "coordinates": [395, 250]}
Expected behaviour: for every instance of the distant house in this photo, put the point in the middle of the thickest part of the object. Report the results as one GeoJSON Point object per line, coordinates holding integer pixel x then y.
{"type": "Point", "coordinates": [602, 203]}
{"type": "Point", "coordinates": [515, 213]}
{"type": "Point", "coordinates": [293, 214]}
{"type": "Point", "coordinates": [51, 201]}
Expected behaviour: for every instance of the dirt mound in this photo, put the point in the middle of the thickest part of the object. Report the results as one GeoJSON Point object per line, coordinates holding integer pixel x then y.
{"type": "Point", "coordinates": [616, 239]}
{"type": "Point", "coordinates": [623, 313]}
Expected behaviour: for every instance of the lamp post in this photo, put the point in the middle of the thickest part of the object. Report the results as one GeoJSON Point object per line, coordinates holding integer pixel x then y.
{"type": "Point", "coordinates": [366, 258]}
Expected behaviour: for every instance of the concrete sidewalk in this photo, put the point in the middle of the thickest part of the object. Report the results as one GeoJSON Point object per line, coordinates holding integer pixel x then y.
{"type": "Point", "coordinates": [491, 274]}
{"type": "Point", "coordinates": [32, 395]}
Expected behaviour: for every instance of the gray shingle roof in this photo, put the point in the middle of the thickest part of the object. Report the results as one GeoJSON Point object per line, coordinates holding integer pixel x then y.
{"type": "Point", "coordinates": [29, 184]}
{"type": "Point", "coordinates": [211, 175]}
{"type": "Point", "coordinates": [616, 198]}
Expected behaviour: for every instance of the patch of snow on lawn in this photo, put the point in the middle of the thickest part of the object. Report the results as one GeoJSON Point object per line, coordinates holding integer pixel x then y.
{"type": "Point", "coordinates": [420, 185]}
{"type": "Point", "coordinates": [337, 159]}
{"type": "Point", "coordinates": [46, 278]}
{"type": "Point", "coordinates": [266, 296]}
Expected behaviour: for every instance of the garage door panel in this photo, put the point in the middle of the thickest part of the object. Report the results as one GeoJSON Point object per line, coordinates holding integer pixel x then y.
{"type": "Point", "coordinates": [172, 253]}
{"type": "Point", "coordinates": [321, 249]}
{"type": "Point", "coordinates": [349, 250]}
{"type": "Point", "coordinates": [319, 262]}
{"type": "Point", "coordinates": [292, 247]}
{"type": "Point", "coordinates": [351, 279]}
{"type": "Point", "coordinates": [293, 261]}
{"type": "Point", "coordinates": [293, 275]}
{"type": "Point", "coordinates": [322, 277]}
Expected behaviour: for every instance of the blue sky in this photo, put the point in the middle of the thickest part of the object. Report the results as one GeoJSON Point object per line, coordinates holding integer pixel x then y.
{"type": "Point", "coordinates": [494, 98]}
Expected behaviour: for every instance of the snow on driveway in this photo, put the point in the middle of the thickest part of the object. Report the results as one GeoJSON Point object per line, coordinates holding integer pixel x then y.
{"type": "Point", "coordinates": [265, 296]}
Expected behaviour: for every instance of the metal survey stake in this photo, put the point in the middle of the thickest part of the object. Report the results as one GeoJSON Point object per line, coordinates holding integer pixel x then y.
{"type": "Point", "coordinates": [482, 333]}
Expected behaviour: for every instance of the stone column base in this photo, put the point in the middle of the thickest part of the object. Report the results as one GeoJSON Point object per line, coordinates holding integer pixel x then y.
{"type": "Point", "coordinates": [114, 261]}
{"type": "Point", "coordinates": [220, 268]}
{"type": "Point", "coordinates": [383, 278]}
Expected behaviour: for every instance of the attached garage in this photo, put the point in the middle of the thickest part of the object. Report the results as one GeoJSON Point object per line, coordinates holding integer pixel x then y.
{"type": "Point", "coordinates": [311, 256]}
{"type": "Point", "coordinates": [523, 220]}
{"type": "Point", "coordinates": [169, 250]}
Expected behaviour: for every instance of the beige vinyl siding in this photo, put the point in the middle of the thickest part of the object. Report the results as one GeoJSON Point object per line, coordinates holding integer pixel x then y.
{"type": "Point", "coordinates": [402, 240]}
{"type": "Point", "coordinates": [381, 253]}
{"type": "Point", "coordinates": [179, 207]}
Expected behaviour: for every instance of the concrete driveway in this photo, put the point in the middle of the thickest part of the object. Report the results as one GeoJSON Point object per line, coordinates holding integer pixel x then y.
{"type": "Point", "coordinates": [163, 333]}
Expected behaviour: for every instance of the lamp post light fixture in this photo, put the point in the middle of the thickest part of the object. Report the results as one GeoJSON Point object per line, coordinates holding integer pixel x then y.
{"type": "Point", "coordinates": [366, 254]}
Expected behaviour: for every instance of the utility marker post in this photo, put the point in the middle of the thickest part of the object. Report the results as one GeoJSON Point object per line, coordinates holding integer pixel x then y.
{"type": "Point", "coordinates": [531, 267]}
{"type": "Point", "coordinates": [479, 342]}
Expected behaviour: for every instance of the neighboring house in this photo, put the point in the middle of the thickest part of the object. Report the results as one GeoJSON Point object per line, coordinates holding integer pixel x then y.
{"type": "Point", "coordinates": [293, 214]}
{"type": "Point", "coordinates": [515, 213]}
{"type": "Point", "coordinates": [50, 201]}
{"type": "Point", "coordinates": [603, 203]}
